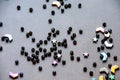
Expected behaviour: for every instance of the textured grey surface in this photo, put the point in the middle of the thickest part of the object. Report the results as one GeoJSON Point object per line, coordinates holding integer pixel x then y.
{"type": "Point", "coordinates": [92, 14]}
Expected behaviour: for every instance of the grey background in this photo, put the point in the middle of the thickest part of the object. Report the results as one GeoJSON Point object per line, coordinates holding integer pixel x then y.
{"type": "Point", "coordinates": [92, 14]}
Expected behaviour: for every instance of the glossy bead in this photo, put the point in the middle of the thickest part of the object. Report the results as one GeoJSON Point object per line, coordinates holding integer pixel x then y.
{"type": "Point", "coordinates": [40, 68]}
{"type": "Point", "coordinates": [72, 58]}
{"type": "Point", "coordinates": [30, 10]}
{"type": "Point", "coordinates": [102, 47]}
{"type": "Point", "coordinates": [18, 7]}
{"type": "Point", "coordinates": [50, 21]}
{"type": "Point", "coordinates": [54, 73]}
{"type": "Point", "coordinates": [40, 49]}
{"type": "Point", "coordinates": [28, 58]}
{"type": "Point", "coordinates": [37, 45]}
{"type": "Point", "coordinates": [45, 42]}
{"type": "Point", "coordinates": [41, 42]}
{"type": "Point", "coordinates": [1, 24]}
{"type": "Point", "coordinates": [74, 42]}
{"type": "Point", "coordinates": [21, 74]}
{"type": "Point", "coordinates": [70, 29]}
{"type": "Point", "coordinates": [33, 39]}
{"type": "Point", "coordinates": [115, 58]}
{"type": "Point", "coordinates": [26, 54]}
{"type": "Point", "coordinates": [79, 5]}
{"type": "Point", "coordinates": [110, 31]}
{"type": "Point", "coordinates": [111, 40]}
{"type": "Point", "coordinates": [108, 54]}
{"type": "Point", "coordinates": [78, 59]}
{"type": "Point", "coordinates": [32, 50]}
{"type": "Point", "coordinates": [98, 49]}
{"type": "Point", "coordinates": [91, 73]}
{"type": "Point", "coordinates": [63, 62]}
{"type": "Point", "coordinates": [85, 69]}
{"type": "Point", "coordinates": [57, 32]}
{"type": "Point", "coordinates": [80, 31]}
{"type": "Point", "coordinates": [16, 62]}
{"type": "Point", "coordinates": [94, 64]}
{"type": "Point", "coordinates": [104, 24]}
{"type": "Point", "coordinates": [44, 6]}
{"type": "Point", "coordinates": [71, 53]}
{"type": "Point", "coordinates": [22, 29]}
{"type": "Point", "coordinates": [52, 12]}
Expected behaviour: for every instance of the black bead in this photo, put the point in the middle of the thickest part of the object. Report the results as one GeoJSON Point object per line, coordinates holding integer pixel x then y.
{"type": "Point", "coordinates": [74, 35]}
{"type": "Point", "coordinates": [44, 6]}
{"type": "Point", "coordinates": [108, 54]}
{"type": "Point", "coordinates": [74, 42]}
{"type": "Point", "coordinates": [37, 60]}
{"type": "Point", "coordinates": [26, 54]}
{"type": "Point", "coordinates": [40, 49]}
{"type": "Point", "coordinates": [91, 73]}
{"type": "Point", "coordinates": [1, 24]}
{"type": "Point", "coordinates": [63, 62]}
{"type": "Point", "coordinates": [60, 51]}
{"type": "Point", "coordinates": [72, 58]}
{"type": "Point", "coordinates": [109, 66]}
{"type": "Point", "coordinates": [37, 52]}
{"type": "Point", "coordinates": [45, 42]}
{"type": "Point", "coordinates": [54, 34]}
{"type": "Point", "coordinates": [80, 31]}
{"type": "Point", "coordinates": [41, 42]}
{"type": "Point", "coordinates": [40, 68]}
{"type": "Point", "coordinates": [65, 6]}
{"type": "Point", "coordinates": [49, 34]}
{"type": "Point", "coordinates": [102, 47]}
{"type": "Point", "coordinates": [97, 35]}
{"type": "Point", "coordinates": [69, 5]}
{"type": "Point", "coordinates": [78, 58]}
{"type": "Point", "coordinates": [55, 57]}
{"type": "Point", "coordinates": [62, 11]}
{"type": "Point", "coordinates": [32, 50]}
{"type": "Point", "coordinates": [27, 35]}
{"type": "Point", "coordinates": [47, 0]}
{"type": "Point", "coordinates": [44, 50]}
{"type": "Point", "coordinates": [30, 33]}
{"type": "Point", "coordinates": [37, 45]}
{"type": "Point", "coordinates": [50, 21]}
{"type": "Point", "coordinates": [21, 74]}
{"type": "Point", "coordinates": [62, 3]}
{"type": "Point", "coordinates": [16, 62]}
{"type": "Point", "coordinates": [28, 58]}
{"type": "Point", "coordinates": [18, 7]}
{"type": "Point", "coordinates": [43, 57]}
{"type": "Point", "coordinates": [49, 54]}
{"type": "Point", "coordinates": [22, 29]}
{"type": "Point", "coordinates": [57, 32]}
{"type": "Point", "coordinates": [98, 49]}
{"type": "Point", "coordinates": [1, 48]}
{"type": "Point", "coordinates": [54, 73]}
{"type": "Point", "coordinates": [33, 62]}
{"type": "Point", "coordinates": [79, 5]}
{"type": "Point", "coordinates": [48, 38]}
{"type": "Point", "coordinates": [110, 31]}
{"type": "Point", "coordinates": [23, 48]}
{"type": "Point", "coordinates": [115, 58]}
{"type": "Point", "coordinates": [72, 38]}
{"type": "Point", "coordinates": [71, 53]}
{"type": "Point", "coordinates": [104, 24]}
{"type": "Point", "coordinates": [53, 30]}
{"type": "Point", "coordinates": [51, 49]}
{"type": "Point", "coordinates": [33, 39]}
{"type": "Point", "coordinates": [33, 55]}
{"type": "Point", "coordinates": [70, 29]}
{"type": "Point", "coordinates": [94, 64]}
{"type": "Point", "coordinates": [68, 32]}
{"type": "Point", "coordinates": [30, 10]}
{"type": "Point", "coordinates": [59, 43]}
{"type": "Point", "coordinates": [111, 40]}
{"type": "Point", "coordinates": [65, 45]}
{"type": "Point", "coordinates": [52, 12]}
{"type": "Point", "coordinates": [84, 69]}
{"type": "Point", "coordinates": [22, 52]}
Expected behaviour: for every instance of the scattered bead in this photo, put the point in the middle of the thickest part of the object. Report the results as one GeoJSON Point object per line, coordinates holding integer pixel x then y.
{"type": "Point", "coordinates": [30, 10]}
{"type": "Point", "coordinates": [85, 69]}
{"type": "Point", "coordinates": [74, 42]}
{"type": "Point", "coordinates": [115, 58]}
{"type": "Point", "coordinates": [54, 73]}
{"type": "Point", "coordinates": [80, 31]}
{"type": "Point", "coordinates": [18, 7]}
{"type": "Point", "coordinates": [22, 29]}
{"type": "Point", "coordinates": [44, 6]}
{"type": "Point", "coordinates": [104, 24]}
{"type": "Point", "coordinates": [63, 62]}
{"type": "Point", "coordinates": [1, 48]}
{"type": "Point", "coordinates": [91, 73]}
{"type": "Point", "coordinates": [21, 74]}
{"type": "Point", "coordinates": [40, 68]}
{"type": "Point", "coordinates": [50, 21]}
{"type": "Point", "coordinates": [79, 5]}
{"type": "Point", "coordinates": [78, 59]}
{"type": "Point", "coordinates": [94, 64]}
{"type": "Point", "coordinates": [1, 24]}
{"type": "Point", "coordinates": [16, 62]}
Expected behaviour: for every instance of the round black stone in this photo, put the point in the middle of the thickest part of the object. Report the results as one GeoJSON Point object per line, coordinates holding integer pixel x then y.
{"type": "Point", "coordinates": [80, 31]}
{"type": "Point", "coordinates": [115, 58]}
{"type": "Point", "coordinates": [32, 50]}
{"type": "Point", "coordinates": [72, 38]}
{"type": "Point", "coordinates": [60, 51]}
{"type": "Point", "coordinates": [21, 74]}
{"type": "Point", "coordinates": [33, 39]}
{"type": "Point", "coordinates": [104, 24]}
{"type": "Point", "coordinates": [57, 32]}
{"type": "Point", "coordinates": [102, 47]}
{"type": "Point", "coordinates": [65, 6]}
{"type": "Point", "coordinates": [110, 31]}
{"type": "Point", "coordinates": [49, 34]}
{"type": "Point", "coordinates": [1, 48]}
{"type": "Point", "coordinates": [26, 54]}
{"type": "Point", "coordinates": [37, 52]}
{"type": "Point", "coordinates": [54, 34]}
{"type": "Point", "coordinates": [70, 29]}
{"type": "Point", "coordinates": [41, 42]}
{"type": "Point", "coordinates": [48, 38]}
{"type": "Point", "coordinates": [40, 68]}
{"type": "Point", "coordinates": [71, 53]}
{"type": "Point", "coordinates": [98, 49]}
{"type": "Point", "coordinates": [78, 59]}
{"type": "Point", "coordinates": [40, 49]}
{"type": "Point", "coordinates": [72, 58]}
{"type": "Point", "coordinates": [1, 24]}
{"type": "Point", "coordinates": [53, 30]}
{"type": "Point", "coordinates": [91, 73]}
{"type": "Point", "coordinates": [27, 35]}
{"type": "Point", "coordinates": [37, 45]}
{"type": "Point", "coordinates": [30, 33]}
{"type": "Point", "coordinates": [74, 35]}
{"type": "Point", "coordinates": [52, 12]}
{"type": "Point", "coordinates": [109, 66]}
{"type": "Point", "coordinates": [111, 40]}
{"type": "Point", "coordinates": [65, 45]}
{"type": "Point", "coordinates": [22, 52]}
{"type": "Point", "coordinates": [69, 5]}
{"type": "Point", "coordinates": [63, 62]}
{"type": "Point", "coordinates": [30, 10]}
{"type": "Point", "coordinates": [28, 58]}
{"type": "Point", "coordinates": [97, 35]}
{"type": "Point", "coordinates": [94, 64]}
{"type": "Point", "coordinates": [108, 54]}
{"type": "Point", "coordinates": [84, 69]}
{"type": "Point", "coordinates": [65, 40]}
{"type": "Point", "coordinates": [68, 32]}
{"type": "Point", "coordinates": [45, 42]}
{"type": "Point", "coordinates": [23, 48]}
{"type": "Point", "coordinates": [22, 29]}
{"type": "Point", "coordinates": [47, 0]}
{"type": "Point", "coordinates": [54, 73]}
{"type": "Point", "coordinates": [44, 6]}
{"type": "Point", "coordinates": [74, 42]}
{"type": "Point", "coordinates": [44, 50]}
{"type": "Point", "coordinates": [49, 54]}
{"type": "Point", "coordinates": [43, 57]}
{"type": "Point", "coordinates": [50, 21]}
{"type": "Point", "coordinates": [16, 62]}
{"type": "Point", "coordinates": [34, 62]}
{"type": "Point", "coordinates": [62, 11]}
{"type": "Point", "coordinates": [18, 7]}
{"type": "Point", "coordinates": [79, 5]}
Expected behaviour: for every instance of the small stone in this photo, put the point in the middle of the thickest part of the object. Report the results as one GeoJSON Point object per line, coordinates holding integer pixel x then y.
{"type": "Point", "coordinates": [16, 62]}
{"type": "Point", "coordinates": [18, 7]}
{"type": "Point", "coordinates": [1, 24]}
{"type": "Point", "coordinates": [44, 6]}
{"type": "Point", "coordinates": [63, 62]}
{"type": "Point", "coordinates": [40, 68]}
{"type": "Point", "coordinates": [91, 73]}
{"type": "Point", "coordinates": [94, 64]}
{"type": "Point", "coordinates": [115, 58]}
{"type": "Point", "coordinates": [30, 10]}
{"type": "Point", "coordinates": [1, 48]}
{"type": "Point", "coordinates": [78, 59]}
{"type": "Point", "coordinates": [85, 69]}
{"type": "Point", "coordinates": [80, 31]}
{"type": "Point", "coordinates": [54, 73]}
{"type": "Point", "coordinates": [21, 74]}
{"type": "Point", "coordinates": [104, 24]}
